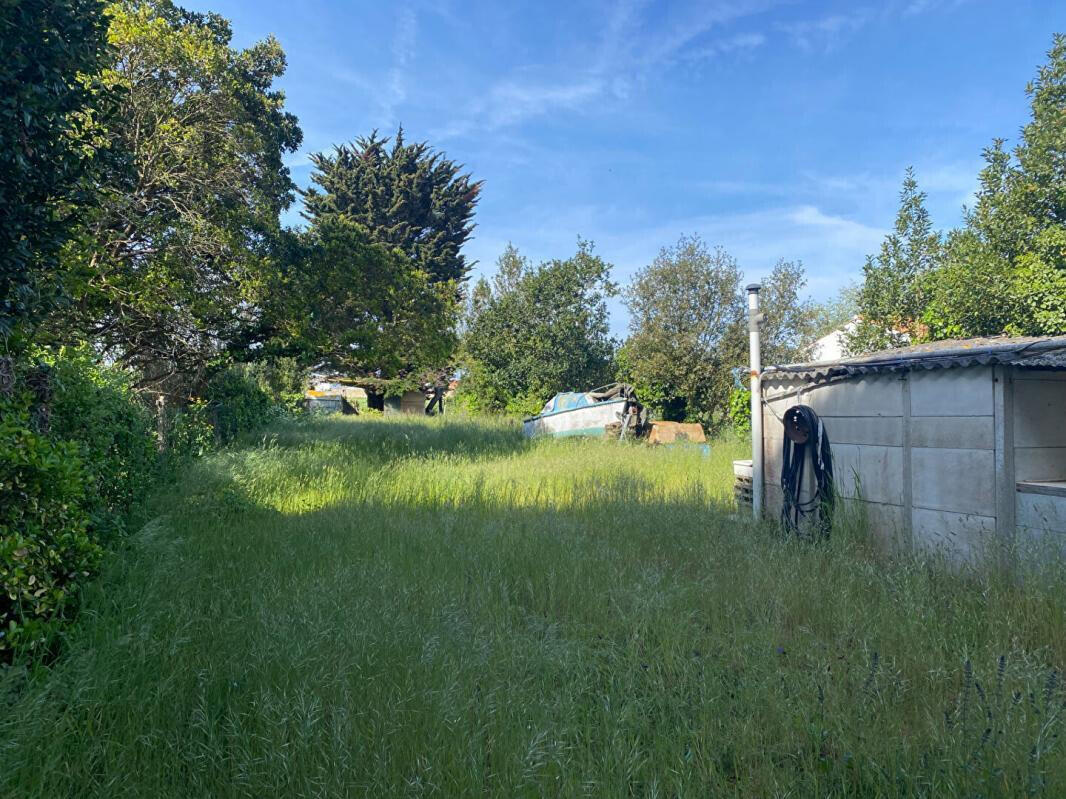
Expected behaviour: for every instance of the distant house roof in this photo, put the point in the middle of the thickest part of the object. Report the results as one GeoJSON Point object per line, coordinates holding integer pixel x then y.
{"type": "Point", "coordinates": [1028, 352]}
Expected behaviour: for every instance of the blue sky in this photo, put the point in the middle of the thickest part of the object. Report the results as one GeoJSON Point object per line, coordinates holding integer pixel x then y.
{"type": "Point", "coordinates": [773, 129]}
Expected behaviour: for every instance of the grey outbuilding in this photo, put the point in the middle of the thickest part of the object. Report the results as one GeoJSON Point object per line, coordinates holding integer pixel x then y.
{"type": "Point", "coordinates": [952, 445]}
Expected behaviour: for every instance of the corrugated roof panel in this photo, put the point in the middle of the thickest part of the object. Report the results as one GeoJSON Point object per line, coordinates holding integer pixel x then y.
{"type": "Point", "coordinates": [1027, 352]}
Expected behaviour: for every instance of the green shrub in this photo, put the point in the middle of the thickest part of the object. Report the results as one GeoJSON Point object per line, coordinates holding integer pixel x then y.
{"type": "Point", "coordinates": [190, 433]}
{"type": "Point", "coordinates": [77, 452]}
{"type": "Point", "coordinates": [237, 403]}
{"type": "Point", "coordinates": [283, 380]}
{"type": "Point", "coordinates": [740, 409]}
{"type": "Point", "coordinates": [95, 408]}
{"type": "Point", "coordinates": [45, 544]}
{"type": "Point", "coordinates": [524, 405]}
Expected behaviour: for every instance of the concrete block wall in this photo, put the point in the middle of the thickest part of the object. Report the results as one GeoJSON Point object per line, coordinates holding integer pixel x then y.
{"type": "Point", "coordinates": [1040, 453]}
{"type": "Point", "coordinates": [952, 459]}
{"type": "Point", "coordinates": [918, 449]}
{"type": "Point", "coordinates": [864, 420]}
{"type": "Point", "coordinates": [1040, 516]}
{"type": "Point", "coordinates": [1040, 425]}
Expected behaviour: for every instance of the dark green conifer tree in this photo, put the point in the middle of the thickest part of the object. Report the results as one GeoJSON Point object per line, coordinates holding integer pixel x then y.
{"type": "Point", "coordinates": [407, 196]}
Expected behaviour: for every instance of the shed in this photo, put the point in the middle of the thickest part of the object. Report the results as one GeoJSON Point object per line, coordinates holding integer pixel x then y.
{"type": "Point", "coordinates": [408, 402]}
{"type": "Point", "coordinates": [953, 445]}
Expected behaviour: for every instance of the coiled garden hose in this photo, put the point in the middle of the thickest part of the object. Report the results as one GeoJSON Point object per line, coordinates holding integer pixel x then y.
{"type": "Point", "coordinates": [804, 429]}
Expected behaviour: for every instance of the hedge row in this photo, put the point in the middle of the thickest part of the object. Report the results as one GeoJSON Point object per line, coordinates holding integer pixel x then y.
{"type": "Point", "coordinates": [79, 452]}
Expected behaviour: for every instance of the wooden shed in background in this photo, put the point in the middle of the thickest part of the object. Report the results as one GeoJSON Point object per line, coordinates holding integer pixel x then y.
{"type": "Point", "coordinates": [408, 402]}
{"type": "Point", "coordinates": [954, 444]}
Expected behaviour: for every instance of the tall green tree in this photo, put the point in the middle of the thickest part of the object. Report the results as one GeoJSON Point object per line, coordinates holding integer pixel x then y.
{"type": "Point", "coordinates": [510, 267]}
{"type": "Point", "coordinates": [685, 308]}
{"type": "Point", "coordinates": [689, 333]}
{"type": "Point", "coordinates": [1005, 270]}
{"type": "Point", "coordinates": [49, 107]}
{"type": "Point", "coordinates": [893, 295]}
{"type": "Point", "coordinates": [791, 322]}
{"type": "Point", "coordinates": [342, 301]}
{"type": "Point", "coordinates": [544, 333]}
{"type": "Point", "coordinates": [167, 266]}
{"type": "Point", "coordinates": [407, 196]}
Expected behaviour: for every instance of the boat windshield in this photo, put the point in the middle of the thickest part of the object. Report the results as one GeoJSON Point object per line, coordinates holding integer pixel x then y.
{"type": "Point", "coordinates": [567, 401]}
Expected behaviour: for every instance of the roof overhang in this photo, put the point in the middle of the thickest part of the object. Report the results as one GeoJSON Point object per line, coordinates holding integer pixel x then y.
{"type": "Point", "coordinates": [1028, 353]}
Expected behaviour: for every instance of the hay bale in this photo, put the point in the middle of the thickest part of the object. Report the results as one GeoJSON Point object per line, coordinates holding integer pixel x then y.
{"type": "Point", "coordinates": [676, 432]}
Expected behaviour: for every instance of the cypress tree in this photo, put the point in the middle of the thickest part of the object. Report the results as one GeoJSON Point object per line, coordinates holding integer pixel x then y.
{"type": "Point", "coordinates": [407, 196]}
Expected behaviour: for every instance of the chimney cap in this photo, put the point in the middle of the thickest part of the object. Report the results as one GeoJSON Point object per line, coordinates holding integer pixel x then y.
{"type": "Point", "coordinates": [754, 287]}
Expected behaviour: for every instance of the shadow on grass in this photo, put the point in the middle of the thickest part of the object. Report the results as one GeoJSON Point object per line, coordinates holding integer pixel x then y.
{"type": "Point", "coordinates": [619, 637]}
{"type": "Point", "coordinates": [392, 437]}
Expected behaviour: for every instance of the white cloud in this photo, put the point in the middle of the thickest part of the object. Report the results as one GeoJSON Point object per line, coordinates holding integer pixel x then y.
{"type": "Point", "coordinates": [827, 32]}
{"type": "Point", "coordinates": [403, 51]}
{"type": "Point", "coordinates": [949, 185]}
{"type": "Point", "coordinates": [730, 44]}
{"type": "Point", "coordinates": [626, 54]}
{"type": "Point", "coordinates": [742, 41]}
{"type": "Point", "coordinates": [922, 6]}
{"type": "Point", "coordinates": [663, 47]}
{"type": "Point", "coordinates": [513, 100]}
{"type": "Point", "coordinates": [296, 160]}
{"type": "Point", "coordinates": [389, 91]}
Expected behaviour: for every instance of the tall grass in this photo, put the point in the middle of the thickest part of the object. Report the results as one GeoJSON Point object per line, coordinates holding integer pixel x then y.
{"type": "Point", "coordinates": [408, 608]}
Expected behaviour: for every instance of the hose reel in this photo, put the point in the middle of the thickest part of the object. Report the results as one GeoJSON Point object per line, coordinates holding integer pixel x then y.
{"type": "Point", "coordinates": [805, 438]}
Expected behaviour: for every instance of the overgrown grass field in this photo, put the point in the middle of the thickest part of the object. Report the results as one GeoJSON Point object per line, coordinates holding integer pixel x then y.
{"type": "Point", "coordinates": [440, 608]}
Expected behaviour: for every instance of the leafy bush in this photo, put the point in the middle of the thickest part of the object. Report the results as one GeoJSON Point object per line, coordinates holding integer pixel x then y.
{"type": "Point", "coordinates": [77, 451]}
{"type": "Point", "coordinates": [740, 410]}
{"type": "Point", "coordinates": [45, 544]}
{"type": "Point", "coordinates": [237, 403]}
{"type": "Point", "coordinates": [190, 432]}
{"type": "Point", "coordinates": [283, 380]}
{"type": "Point", "coordinates": [95, 408]}
{"type": "Point", "coordinates": [524, 405]}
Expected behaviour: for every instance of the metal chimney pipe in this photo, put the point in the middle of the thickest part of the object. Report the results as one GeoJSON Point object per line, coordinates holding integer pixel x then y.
{"type": "Point", "coordinates": [755, 358]}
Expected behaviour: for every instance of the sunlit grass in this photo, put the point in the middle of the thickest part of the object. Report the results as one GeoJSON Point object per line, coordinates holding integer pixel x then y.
{"type": "Point", "coordinates": [393, 608]}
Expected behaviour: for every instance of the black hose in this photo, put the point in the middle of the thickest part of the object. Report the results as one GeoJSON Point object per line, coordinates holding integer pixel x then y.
{"type": "Point", "coordinates": [803, 428]}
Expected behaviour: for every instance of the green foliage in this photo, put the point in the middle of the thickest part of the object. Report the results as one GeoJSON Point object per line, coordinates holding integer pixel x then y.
{"type": "Point", "coordinates": [740, 410]}
{"type": "Point", "coordinates": [688, 329]}
{"type": "Point", "coordinates": [95, 408]}
{"type": "Point", "coordinates": [48, 107]}
{"type": "Point", "coordinates": [360, 307]}
{"type": "Point", "coordinates": [45, 546]}
{"type": "Point", "coordinates": [372, 289]}
{"type": "Point", "coordinates": [190, 433]}
{"type": "Point", "coordinates": [510, 267]}
{"type": "Point", "coordinates": [184, 222]}
{"type": "Point", "coordinates": [545, 334]}
{"type": "Point", "coordinates": [833, 314]}
{"type": "Point", "coordinates": [237, 403]}
{"type": "Point", "coordinates": [1005, 272]}
{"type": "Point", "coordinates": [894, 292]}
{"type": "Point", "coordinates": [77, 453]}
{"type": "Point", "coordinates": [790, 324]}
{"type": "Point", "coordinates": [408, 197]}
{"type": "Point", "coordinates": [685, 311]}
{"type": "Point", "coordinates": [282, 379]}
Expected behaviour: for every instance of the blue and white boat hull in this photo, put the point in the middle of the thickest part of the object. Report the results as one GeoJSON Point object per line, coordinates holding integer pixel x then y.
{"type": "Point", "coordinates": [585, 420]}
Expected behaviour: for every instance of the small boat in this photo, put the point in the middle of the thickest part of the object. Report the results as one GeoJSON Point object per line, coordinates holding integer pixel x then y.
{"type": "Point", "coordinates": [611, 408]}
